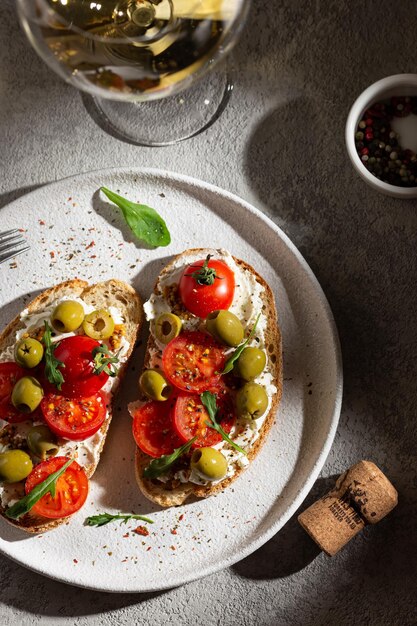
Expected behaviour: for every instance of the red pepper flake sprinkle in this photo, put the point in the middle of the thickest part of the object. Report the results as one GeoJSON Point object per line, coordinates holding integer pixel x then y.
{"type": "Point", "coordinates": [93, 256]}
{"type": "Point", "coordinates": [148, 548]}
{"type": "Point", "coordinates": [126, 535]}
{"type": "Point", "coordinates": [90, 245]}
{"type": "Point", "coordinates": [141, 530]}
{"type": "Point", "coordinates": [173, 531]}
{"type": "Point", "coordinates": [52, 254]}
{"type": "Point", "coordinates": [181, 517]}
{"type": "Point", "coordinates": [41, 222]}
{"type": "Point", "coordinates": [173, 547]}
{"type": "Point", "coordinates": [75, 561]}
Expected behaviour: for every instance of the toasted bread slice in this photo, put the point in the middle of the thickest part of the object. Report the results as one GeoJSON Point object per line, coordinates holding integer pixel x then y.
{"type": "Point", "coordinates": [171, 493]}
{"type": "Point", "coordinates": [112, 293]}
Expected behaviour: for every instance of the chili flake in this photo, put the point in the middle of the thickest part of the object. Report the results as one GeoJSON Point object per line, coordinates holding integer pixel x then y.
{"type": "Point", "coordinates": [141, 530]}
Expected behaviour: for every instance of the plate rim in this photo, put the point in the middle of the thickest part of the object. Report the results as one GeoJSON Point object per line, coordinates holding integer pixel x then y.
{"type": "Point", "coordinates": [255, 544]}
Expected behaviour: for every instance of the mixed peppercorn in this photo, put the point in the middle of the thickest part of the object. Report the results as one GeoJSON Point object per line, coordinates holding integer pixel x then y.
{"type": "Point", "coordinates": [378, 144]}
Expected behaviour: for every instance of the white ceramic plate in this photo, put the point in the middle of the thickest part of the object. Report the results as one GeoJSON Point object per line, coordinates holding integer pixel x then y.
{"type": "Point", "coordinates": [73, 232]}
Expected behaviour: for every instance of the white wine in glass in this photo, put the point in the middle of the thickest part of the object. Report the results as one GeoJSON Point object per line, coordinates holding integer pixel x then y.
{"type": "Point", "coordinates": [127, 54]}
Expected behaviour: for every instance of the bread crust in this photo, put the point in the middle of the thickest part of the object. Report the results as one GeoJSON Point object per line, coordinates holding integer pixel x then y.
{"type": "Point", "coordinates": [112, 292]}
{"type": "Point", "coordinates": [157, 491]}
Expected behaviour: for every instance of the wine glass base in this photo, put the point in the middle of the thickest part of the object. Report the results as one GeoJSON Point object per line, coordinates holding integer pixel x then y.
{"type": "Point", "coordinates": [166, 121]}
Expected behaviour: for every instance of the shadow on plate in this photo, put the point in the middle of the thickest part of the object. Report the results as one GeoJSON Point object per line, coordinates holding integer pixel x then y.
{"type": "Point", "coordinates": [13, 308]}
{"type": "Point", "coordinates": [10, 196]}
{"type": "Point", "coordinates": [290, 550]}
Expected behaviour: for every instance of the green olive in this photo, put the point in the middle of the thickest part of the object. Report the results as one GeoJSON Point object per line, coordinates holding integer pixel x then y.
{"type": "Point", "coordinates": [15, 465]}
{"type": "Point", "coordinates": [28, 352]}
{"type": "Point", "coordinates": [225, 327]}
{"type": "Point", "coordinates": [251, 401]}
{"type": "Point", "coordinates": [98, 324]}
{"type": "Point", "coordinates": [251, 363]}
{"type": "Point", "coordinates": [154, 385]}
{"type": "Point", "coordinates": [42, 442]}
{"type": "Point", "coordinates": [67, 316]}
{"type": "Point", "coordinates": [209, 463]}
{"type": "Point", "coordinates": [167, 327]}
{"type": "Point", "coordinates": [27, 394]}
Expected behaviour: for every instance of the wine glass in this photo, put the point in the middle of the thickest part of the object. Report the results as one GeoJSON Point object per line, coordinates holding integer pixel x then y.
{"type": "Point", "coordinates": [144, 66]}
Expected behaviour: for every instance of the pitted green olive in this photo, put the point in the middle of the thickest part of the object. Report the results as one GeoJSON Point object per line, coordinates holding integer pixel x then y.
{"type": "Point", "coordinates": [98, 324]}
{"type": "Point", "coordinates": [154, 385]}
{"type": "Point", "coordinates": [209, 463]}
{"type": "Point", "coordinates": [67, 316]}
{"type": "Point", "coordinates": [167, 327]}
{"type": "Point", "coordinates": [251, 363]}
{"type": "Point", "coordinates": [28, 352]}
{"type": "Point", "coordinates": [251, 401]}
{"type": "Point", "coordinates": [27, 394]}
{"type": "Point", "coordinates": [42, 442]}
{"type": "Point", "coordinates": [15, 465]}
{"type": "Point", "coordinates": [225, 327]}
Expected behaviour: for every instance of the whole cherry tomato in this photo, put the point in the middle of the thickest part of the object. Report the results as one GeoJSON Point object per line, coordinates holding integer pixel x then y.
{"type": "Point", "coordinates": [206, 286]}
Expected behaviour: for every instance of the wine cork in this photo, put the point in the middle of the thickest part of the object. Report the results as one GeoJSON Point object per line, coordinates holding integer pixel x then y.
{"type": "Point", "coordinates": [362, 495]}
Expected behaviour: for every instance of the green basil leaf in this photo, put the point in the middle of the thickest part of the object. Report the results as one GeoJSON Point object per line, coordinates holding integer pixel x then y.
{"type": "Point", "coordinates": [46, 486]}
{"type": "Point", "coordinates": [236, 354]}
{"type": "Point", "coordinates": [163, 463]}
{"type": "Point", "coordinates": [145, 223]}
{"type": "Point", "coordinates": [105, 518]}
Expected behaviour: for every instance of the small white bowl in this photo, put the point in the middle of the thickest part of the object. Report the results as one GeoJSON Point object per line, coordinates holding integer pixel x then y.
{"type": "Point", "coordinates": [397, 85]}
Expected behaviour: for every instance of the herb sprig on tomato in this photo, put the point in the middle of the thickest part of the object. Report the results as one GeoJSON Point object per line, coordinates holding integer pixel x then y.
{"type": "Point", "coordinates": [55, 488]}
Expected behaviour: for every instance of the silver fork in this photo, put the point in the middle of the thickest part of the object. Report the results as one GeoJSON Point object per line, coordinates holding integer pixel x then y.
{"type": "Point", "coordinates": [11, 242]}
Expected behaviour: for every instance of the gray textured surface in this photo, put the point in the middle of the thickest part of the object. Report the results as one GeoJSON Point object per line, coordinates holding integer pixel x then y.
{"type": "Point", "coordinates": [279, 145]}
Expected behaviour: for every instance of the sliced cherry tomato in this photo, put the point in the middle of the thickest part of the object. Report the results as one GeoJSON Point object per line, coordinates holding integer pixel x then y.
{"type": "Point", "coordinates": [190, 417]}
{"type": "Point", "coordinates": [198, 295]}
{"type": "Point", "coordinates": [76, 353]}
{"type": "Point", "coordinates": [71, 488]}
{"type": "Point", "coordinates": [193, 361]}
{"type": "Point", "coordinates": [153, 430]}
{"type": "Point", "coordinates": [10, 373]}
{"type": "Point", "coordinates": [72, 418]}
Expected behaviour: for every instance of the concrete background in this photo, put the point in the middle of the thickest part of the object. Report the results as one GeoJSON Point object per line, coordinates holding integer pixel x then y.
{"type": "Point", "coordinates": [280, 145]}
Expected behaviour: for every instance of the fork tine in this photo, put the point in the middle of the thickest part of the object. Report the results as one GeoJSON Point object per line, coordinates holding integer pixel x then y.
{"type": "Point", "coordinates": [12, 254]}
{"type": "Point", "coordinates": [6, 233]}
{"type": "Point", "coordinates": [11, 237]}
{"type": "Point", "coordinates": [4, 246]}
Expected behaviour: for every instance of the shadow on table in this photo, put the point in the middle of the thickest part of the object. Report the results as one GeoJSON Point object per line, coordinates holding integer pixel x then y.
{"type": "Point", "coordinates": [290, 550]}
{"type": "Point", "coordinates": [34, 594]}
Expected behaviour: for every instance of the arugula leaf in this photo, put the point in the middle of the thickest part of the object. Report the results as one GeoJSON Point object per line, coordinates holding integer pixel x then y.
{"type": "Point", "coordinates": [144, 221]}
{"type": "Point", "coordinates": [52, 373]}
{"type": "Point", "coordinates": [209, 401]}
{"type": "Point", "coordinates": [104, 518]}
{"type": "Point", "coordinates": [161, 465]}
{"type": "Point", "coordinates": [103, 362]}
{"type": "Point", "coordinates": [46, 486]}
{"type": "Point", "coordinates": [236, 354]}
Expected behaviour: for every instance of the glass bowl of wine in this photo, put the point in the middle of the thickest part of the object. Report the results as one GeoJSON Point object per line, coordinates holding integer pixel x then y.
{"type": "Point", "coordinates": [144, 66]}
